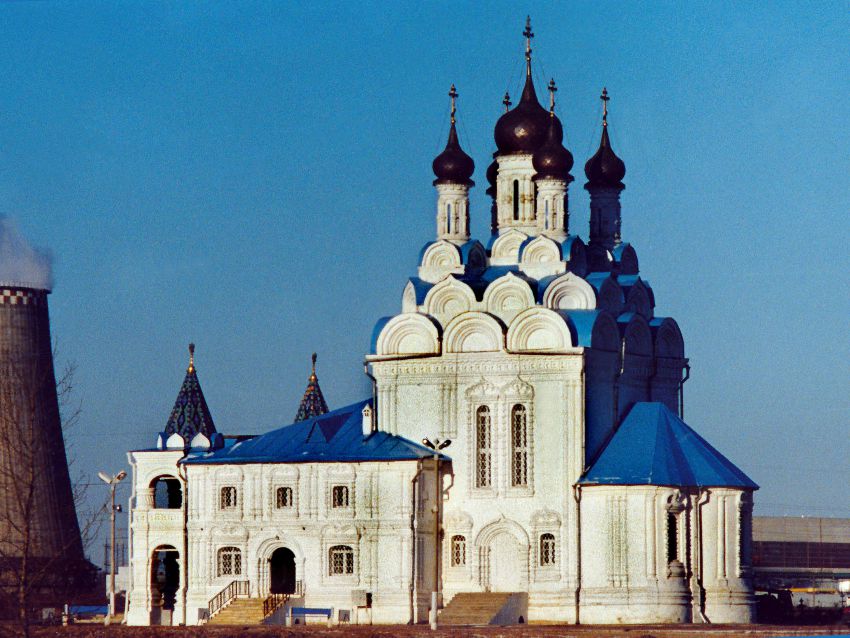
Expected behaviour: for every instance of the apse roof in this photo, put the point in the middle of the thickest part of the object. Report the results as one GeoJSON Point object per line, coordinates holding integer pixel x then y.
{"type": "Point", "coordinates": [333, 437]}
{"type": "Point", "coordinates": [655, 447]}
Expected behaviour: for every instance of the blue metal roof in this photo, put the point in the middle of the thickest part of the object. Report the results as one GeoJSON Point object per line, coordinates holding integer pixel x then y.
{"type": "Point", "coordinates": [333, 437]}
{"type": "Point", "coordinates": [655, 447]}
{"type": "Point", "coordinates": [581, 324]}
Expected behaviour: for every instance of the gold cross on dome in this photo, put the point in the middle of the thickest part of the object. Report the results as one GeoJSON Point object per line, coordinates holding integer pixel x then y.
{"type": "Point", "coordinates": [552, 89]}
{"type": "Point", "coordinates": [507, 102]}
{"type": "Point", "coordinates": [604, 97]}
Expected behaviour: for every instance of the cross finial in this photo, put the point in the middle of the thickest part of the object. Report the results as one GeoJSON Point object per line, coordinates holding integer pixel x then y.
{"type": "Point", "coordinates": [507, 102]}
{"type": "Point", "coordinates": [453, 95]}
{"type": "Point", "coordinates": [552, 89]}
{"type": "Point", "coordinates": [191, 357]}
{"type": "Point", "coordinates": [604, 97]}
{"type": "Point", "coordinates": [528, 33]}
{"type": "Point", "coordinates": [314, 362]}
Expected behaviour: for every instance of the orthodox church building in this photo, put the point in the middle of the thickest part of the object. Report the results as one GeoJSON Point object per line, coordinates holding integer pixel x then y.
{"type": "Point", "coordinates": [555, 480]}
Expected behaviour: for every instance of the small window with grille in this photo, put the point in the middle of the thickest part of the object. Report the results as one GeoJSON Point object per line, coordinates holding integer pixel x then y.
{"type": "Point", "coordinates": [283, 497]}
{"type": "Point", "coordinates": [483, 453]}
{"type": "Point", "coordinates": [547, 550]}
{"type": "Point", "coordinates": [458, 551]}
{"type": "Point", "coordinates": [229, 561]}
{"type": "Point", "coordinates": [339, 496]}
{"type": "Point", "coordinates": [340, 560]}
{"type": "Point", "coordinates": [227, 498]}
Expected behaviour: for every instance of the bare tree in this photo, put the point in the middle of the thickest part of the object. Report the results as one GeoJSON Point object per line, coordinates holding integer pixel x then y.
{"type": "Point", "coordinates": [41, 551]}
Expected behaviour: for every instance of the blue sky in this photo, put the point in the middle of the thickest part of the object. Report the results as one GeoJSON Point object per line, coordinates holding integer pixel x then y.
{"type": "Point", "coordinates": [255, 177]}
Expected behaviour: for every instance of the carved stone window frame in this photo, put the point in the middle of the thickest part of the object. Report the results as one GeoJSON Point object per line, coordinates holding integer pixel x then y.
{"type": "Point", "coordinates": [517, 392]}
{"type": "Point", "coordinates": [546, 521]}
{"type": "Point", "coordinates": [481, 394]}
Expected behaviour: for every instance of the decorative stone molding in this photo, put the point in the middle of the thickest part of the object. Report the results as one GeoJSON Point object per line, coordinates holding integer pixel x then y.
{"type": "Point", "coordinates": [448, 299]}
{"type": "Point", "coordinates": [507, 296]}
{"type": "Point", "coordinates": [474, 332]}
{"type": "Point", "coordinates": [408, 333]}
{"type": "Point", "coordinates": [505, 249]}
{"type": "Point", "coordinates": [539, 330]}
{"type": "Point", "coordinates": [569, 292]}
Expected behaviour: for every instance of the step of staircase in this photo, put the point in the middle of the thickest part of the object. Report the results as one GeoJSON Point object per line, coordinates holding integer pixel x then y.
{"type": "Point", "coordinates": [242, 611]}
{"type": "Point", "coordinates": [473, 608]}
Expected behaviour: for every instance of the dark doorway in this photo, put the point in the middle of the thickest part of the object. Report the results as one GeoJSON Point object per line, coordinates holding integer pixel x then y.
{"type": "Point", "coordinates": [282, 568]}
{"type": "Point", "coordinates": [165, 581]}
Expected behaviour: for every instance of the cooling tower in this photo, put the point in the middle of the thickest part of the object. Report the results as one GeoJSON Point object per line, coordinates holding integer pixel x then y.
{"type": "Point", "coordinates": [37, 515]}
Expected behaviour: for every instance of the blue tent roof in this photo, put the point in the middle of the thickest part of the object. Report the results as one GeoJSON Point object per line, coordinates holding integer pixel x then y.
{"type": "Point", "coordinates": [655, 447]}
{"type": "Point", "coordinates": [333, 437]}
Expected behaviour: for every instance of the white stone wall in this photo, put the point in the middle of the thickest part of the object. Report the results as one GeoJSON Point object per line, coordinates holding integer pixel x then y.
{"type": "Point", "coordinates": [382, 525]}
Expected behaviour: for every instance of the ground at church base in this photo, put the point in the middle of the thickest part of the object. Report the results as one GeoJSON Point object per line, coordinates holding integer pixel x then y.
{"type": "Point", "coordinates": [421, 631]}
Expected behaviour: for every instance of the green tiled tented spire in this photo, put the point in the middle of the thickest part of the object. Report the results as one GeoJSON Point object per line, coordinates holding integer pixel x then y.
{"type": "Point", "coordinates": [312, 403]}
{"type": "Point", "coordinates": [190, 414]}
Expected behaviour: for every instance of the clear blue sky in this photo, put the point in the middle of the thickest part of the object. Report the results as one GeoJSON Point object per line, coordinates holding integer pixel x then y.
{"type": "Point", "coordinates": [255, 177]}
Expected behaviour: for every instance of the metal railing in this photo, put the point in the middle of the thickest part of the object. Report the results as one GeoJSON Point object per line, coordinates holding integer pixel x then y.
{"type": "Point", "coordinates": [223, 598]}
{"type": "Point", "coordinates": [273, 602]}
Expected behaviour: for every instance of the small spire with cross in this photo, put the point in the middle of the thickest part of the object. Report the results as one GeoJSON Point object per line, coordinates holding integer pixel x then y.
{"type": "Point", "coordinates": [453, 94]}
{"type": "Point", "coordinates": [507, 101]}
{"type": "Point", "coordinates": [313, 373]}
{"type": "Point", "coordinates": [552, 90]}
{"type": "Point", "coordinates": [528, 34]}
{"type": "Point", "coordinates": [604, 97]}
{"type": "Point", "coordinates": [191, 357]}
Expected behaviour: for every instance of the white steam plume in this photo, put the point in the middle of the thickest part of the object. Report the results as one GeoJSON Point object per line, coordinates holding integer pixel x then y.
{"type": "Point", "coordinates": [21, 264]}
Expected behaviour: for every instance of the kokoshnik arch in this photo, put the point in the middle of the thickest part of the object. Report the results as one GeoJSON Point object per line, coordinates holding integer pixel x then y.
{"type": "Point", "coordinates": [572, 483]}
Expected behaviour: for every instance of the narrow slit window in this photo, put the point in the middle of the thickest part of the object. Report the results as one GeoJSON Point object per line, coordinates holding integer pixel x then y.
{"type": "Point", "coordinates": [483, 453]}
{"type": "Point", "coordinates": [672, 538]}
{"type": "Point", "coordinates": [516, 199]}
{"type": "Point", "coordinates": [547, 550]}
{"type": "Point", "coordinates": [519, 446]}
{"type": "Point", "coordinates": [458, 551]}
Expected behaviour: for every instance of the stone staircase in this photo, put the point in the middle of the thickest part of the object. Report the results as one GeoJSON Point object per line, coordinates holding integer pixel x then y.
{"type": "Point", "coordinates": [241, 611]}
{"type": "Point", "coordinates": [478, 608]}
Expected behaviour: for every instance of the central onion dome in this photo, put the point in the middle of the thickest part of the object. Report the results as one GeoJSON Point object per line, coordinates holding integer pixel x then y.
{"type": "Point", "coordinates": [523, 129]}
{"type": "Point", "coordinates": [605, 169]}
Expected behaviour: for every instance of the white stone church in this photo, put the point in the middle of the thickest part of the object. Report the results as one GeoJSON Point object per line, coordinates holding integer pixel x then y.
{"type": "Point", "coordinates": [571, 492]}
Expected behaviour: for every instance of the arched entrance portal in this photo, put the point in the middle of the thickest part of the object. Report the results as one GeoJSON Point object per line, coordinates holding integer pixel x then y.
{"type": "Point", "coordinates": [506, 564]}
{"type": "Point", "coordinates": [282, 571]}
{"type": "Point", "coordinates": [165, 581]}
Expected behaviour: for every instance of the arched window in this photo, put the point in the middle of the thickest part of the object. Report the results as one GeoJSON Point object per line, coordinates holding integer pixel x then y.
{"type": "Point", "coordinates": [458, 551]}
{"type": "Point", "coordinates": [519, 446]}
{"type": "Point", "coordinates": [167, 493]}
{"type": "Point", "coordinates": [482, 447]}
{"type": "Point", "coordinates": [227, 499]}
{"type": "Point", "coordinates": [339, 496]}
{"type": "Point", "coordinates": [283, 497]}
{"type": "Point", "coordinates": [547, 550]}
{"type": "Point", "coordinates": [516, 199]}
{"type": "Point", "coordinates": [229, 561]}
{"type": "Point", "coordinates": [672, 538]}
{"type": "Point", "coordinates": [340, 560]}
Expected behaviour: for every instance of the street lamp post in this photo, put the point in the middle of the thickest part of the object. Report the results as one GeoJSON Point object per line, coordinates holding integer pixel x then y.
{"type": "Point", "coordinates": [112, 482]}
{"type": "Point", "coordinates": [436, 445]}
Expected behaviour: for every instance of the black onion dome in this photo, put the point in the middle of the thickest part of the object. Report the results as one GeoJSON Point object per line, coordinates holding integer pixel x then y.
{"type": "Point", "coordinates": [453, 166]}
{"type": "Point", "coordinates": [492, 174]}
{"type": "Point", "coordinates": [552, 160]}
{"type": "Point", "coordinates": [523, 129]}
{"type": "Point", "coordinates": [605, 169]}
